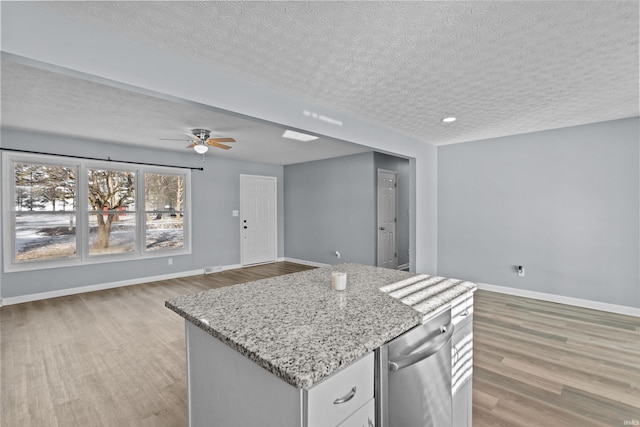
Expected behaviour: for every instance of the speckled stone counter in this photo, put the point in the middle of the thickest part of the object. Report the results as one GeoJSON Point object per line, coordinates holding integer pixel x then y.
{"type": "Point", "coordinates": [299, 328]}
{"type": "Point", "coordinates": [429, 294]}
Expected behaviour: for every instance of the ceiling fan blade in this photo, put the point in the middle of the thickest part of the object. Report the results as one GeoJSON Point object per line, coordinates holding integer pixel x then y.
{"type": "Point", "coordinates": [197, 138]}
{"type": "Point", "coordinates": [215, 144]}
{"type": "Point", "coordinates": [220, 140]}
{"type": "Point", "coordinates": [192, 145]}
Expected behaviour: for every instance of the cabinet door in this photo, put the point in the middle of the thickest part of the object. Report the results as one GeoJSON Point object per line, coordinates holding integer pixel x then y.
{"type": "Point", "coordinates": [363, 417]}
{"type": "Point", "coordinates": [334, 399]}
{"type": "Point", "coordinates": [460, 408]}
{"type": "Point", "coordinates": [462, 367]}
{"type": "Point", "coordinates": [222, 385]}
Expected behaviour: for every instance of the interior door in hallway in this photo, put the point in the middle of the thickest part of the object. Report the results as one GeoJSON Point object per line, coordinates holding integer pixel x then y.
{"type": "Point", "coordinates": [258, 219]}
{"type": "Point", "coordinates": [387, 219]}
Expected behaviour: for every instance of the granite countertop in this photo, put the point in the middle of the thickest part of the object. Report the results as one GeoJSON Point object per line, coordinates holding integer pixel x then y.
{"type": "Point", "coordinates": [429, 295]}
{"type": "Point", "coordinates": [300, 329]}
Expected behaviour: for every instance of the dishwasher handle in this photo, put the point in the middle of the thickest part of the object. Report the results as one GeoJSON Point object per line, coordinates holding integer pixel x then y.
{"type": "Point", "coordinates": [433, 347]}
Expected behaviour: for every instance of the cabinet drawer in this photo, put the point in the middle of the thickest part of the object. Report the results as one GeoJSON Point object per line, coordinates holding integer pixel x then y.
{"type": "Point", "coordinates": [363, 417]}
{"type": "Point", "coordinates": [462, 311]}
{"type": "Point", "coordinates": [332, 400]}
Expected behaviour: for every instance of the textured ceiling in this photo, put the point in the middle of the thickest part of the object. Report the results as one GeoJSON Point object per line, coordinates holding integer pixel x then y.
{"type": "Point", "coordinates": [45, 101]}
{"type": "Point", "coordinates": [501, 67]}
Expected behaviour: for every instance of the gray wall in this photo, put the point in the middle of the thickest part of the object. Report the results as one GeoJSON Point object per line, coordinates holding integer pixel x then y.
{"type": "Point", "coordinates": [215, 193]}
{"type": "Point", "coordinates": [401, 167]}
{"type": "Point", "coordinates": [563, 203]}
{"type": "Point", "coordinates": [330, 206]}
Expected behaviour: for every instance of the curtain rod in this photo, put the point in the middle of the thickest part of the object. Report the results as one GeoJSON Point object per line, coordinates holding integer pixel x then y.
{"type": "Point", "coordinates": [108, 159]}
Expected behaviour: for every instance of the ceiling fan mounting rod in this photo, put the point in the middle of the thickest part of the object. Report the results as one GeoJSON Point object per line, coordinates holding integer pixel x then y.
{"type": "Point", "coordinates": [203, 134]}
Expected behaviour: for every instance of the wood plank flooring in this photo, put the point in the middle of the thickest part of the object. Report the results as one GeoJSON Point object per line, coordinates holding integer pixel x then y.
{"type": "Point", "coordinates": [117, 358]}
{"type": "Point", "coordinates": [108, 358]}
{"type": "Point", "coordinates": [544, 364]}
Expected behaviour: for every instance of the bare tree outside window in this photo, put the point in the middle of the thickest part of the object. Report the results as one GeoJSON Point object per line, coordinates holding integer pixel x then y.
{"type": "Point", "coordinates": [132, 212]}
{"type": "Point", "coordinates": [111, 199]}
{"type": "Point", "coordinates": [164, 199]}
{"type": "Point", "coordinates": [44, 211]}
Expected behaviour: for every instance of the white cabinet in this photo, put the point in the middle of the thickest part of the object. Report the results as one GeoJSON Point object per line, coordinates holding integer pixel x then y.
{"type": "Point", "coordinates": [363, 417]}
{"type": "Point", "coordinates": [334, 400]}
{"type": "Point", "coordinates": [462, 363]}
{"type": "Point", "coordinates": [227, 389]}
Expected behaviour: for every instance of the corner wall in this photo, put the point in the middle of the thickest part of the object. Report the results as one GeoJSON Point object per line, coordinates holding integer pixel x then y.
{"type": "Point", "coordinates": [330, 206]}
{"type": "Point", "coordinates": [563, 203]}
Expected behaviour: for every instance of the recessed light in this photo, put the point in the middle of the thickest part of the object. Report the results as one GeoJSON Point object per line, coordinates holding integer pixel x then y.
{"type": "Point", "coordinates": [299, 136]}
{"type": "Point", "coordinates": [448, 119]}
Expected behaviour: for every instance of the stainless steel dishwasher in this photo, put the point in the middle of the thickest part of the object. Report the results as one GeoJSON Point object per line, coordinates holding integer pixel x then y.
{"type": "Point", "coordinates": [413, 376]}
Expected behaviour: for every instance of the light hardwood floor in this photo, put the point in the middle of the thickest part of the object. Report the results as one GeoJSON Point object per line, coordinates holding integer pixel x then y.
{"type": "Point", "coordinates": [117, 358]}
{"type": "Point", "coordinates": [108, 358]}
{"type": "Point", "coordinates": [544, 364]}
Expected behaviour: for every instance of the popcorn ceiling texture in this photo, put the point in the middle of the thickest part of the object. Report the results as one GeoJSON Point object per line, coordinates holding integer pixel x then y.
{"type": "Point", "coordinates": [49, 102]}
{"type": "Point", "coordinates": [501, 67]}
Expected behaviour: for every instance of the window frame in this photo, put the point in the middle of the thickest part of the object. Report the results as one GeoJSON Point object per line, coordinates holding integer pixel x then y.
{"type": "Point", "coordinates": [83, 211]}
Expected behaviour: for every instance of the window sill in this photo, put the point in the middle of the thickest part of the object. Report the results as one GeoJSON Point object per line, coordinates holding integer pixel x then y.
{"type": "Point", "coordinates": [93, 260]}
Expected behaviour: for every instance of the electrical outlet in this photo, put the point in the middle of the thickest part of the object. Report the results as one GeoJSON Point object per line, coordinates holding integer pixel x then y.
{"type": "Point", "coordinates": [337, 254]}
{"type": "Point", "coordinates": [170, 261]}
{"type": "Point", "coordinates": [520, 270]}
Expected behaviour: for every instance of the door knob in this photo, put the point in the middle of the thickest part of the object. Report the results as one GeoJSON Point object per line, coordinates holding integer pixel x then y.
{"type": "Point", "coordinates": [381, 228]}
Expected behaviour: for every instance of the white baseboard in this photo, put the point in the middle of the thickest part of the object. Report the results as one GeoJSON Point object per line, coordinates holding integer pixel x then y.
{"type": "Point", "coordinates": [578, 302]}
{"type": "Point", "coordinates": [102, 286]}
{"type": "Point", "coordinates": [98, 287]}
{"type": "Point", "coordinates": [231, 267]}
{"type": "Point", "coordinates": [403, 267]}
{"type": "Point", "coordinates": [303, 262]}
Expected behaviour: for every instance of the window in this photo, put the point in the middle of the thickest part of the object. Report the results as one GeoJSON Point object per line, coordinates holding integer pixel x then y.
{"type": "Point", "coordinates": [44, 212]}
{"type": "Point", "coordinates": [126, 213]}
{"type": "Point", "coordinates": [111, 211]}
{"type": "Point", "coordinates": [164, 211]}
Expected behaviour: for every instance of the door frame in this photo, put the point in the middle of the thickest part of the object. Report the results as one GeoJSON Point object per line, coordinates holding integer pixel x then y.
{"type": "Point", "coordinates": [275, 218]}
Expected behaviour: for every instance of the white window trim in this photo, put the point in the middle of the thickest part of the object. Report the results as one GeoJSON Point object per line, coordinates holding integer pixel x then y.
{"type": "Point", "coordinates": [82, 226]}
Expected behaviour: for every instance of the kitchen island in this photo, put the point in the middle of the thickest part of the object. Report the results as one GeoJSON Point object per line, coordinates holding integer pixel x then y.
{"type": "Point", "coordinates": [282, 343]}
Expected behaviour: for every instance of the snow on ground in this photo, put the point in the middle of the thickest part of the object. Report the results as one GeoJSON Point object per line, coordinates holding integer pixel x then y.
{"type": "Point", "coordinates": [47, 236]}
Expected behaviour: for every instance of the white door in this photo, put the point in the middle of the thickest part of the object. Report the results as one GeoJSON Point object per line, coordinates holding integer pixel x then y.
{"type": "Point", "coordinates": [258, 219]}
{"type": "Point", "coordinates": [387, 218]}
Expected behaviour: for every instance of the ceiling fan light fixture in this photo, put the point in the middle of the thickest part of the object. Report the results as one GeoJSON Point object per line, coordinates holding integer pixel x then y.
{"type": "Point", "coordinates": [200, 148]}
{"type": "Point", "coordinates": [298, 136]}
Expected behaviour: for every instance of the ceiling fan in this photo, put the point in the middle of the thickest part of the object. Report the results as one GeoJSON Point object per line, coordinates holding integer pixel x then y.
{"type": "Point", "coordinates": [202, 141]}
